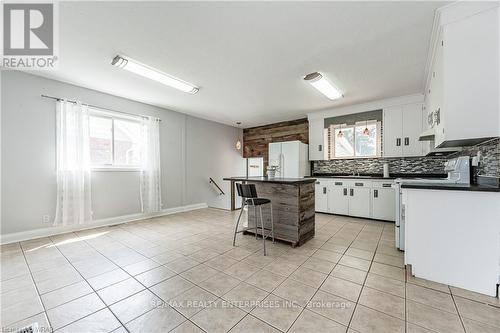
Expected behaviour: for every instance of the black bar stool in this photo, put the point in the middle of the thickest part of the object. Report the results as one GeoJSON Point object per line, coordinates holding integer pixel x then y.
{"type": "Point", "coordinates": [249, 198]}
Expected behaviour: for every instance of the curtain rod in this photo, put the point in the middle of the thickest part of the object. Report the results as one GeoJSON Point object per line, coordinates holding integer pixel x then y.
{"type": "Point", "coordinates": [97, 107]}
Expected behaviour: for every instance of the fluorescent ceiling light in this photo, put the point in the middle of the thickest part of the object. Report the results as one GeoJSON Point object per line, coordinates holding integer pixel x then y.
{"type": "Point", "coordinates": [324, 86]}
{"type": "Point", "coordinates": [153, 74]}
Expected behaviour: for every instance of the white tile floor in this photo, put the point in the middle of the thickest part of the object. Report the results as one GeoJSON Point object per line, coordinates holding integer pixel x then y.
{"type": "Point", "coordinates": [180, 273]}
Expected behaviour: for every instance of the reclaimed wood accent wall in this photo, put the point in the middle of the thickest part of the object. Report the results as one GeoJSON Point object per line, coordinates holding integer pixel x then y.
{"type": "Point", "coordinates": [256, 139]}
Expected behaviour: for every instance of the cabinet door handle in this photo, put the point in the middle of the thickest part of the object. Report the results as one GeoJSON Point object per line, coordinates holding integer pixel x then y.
{"type": "Point", "coordinates": [320, 147]}
{"type": "Point", "coordinates": [358, 184]}
{"type": "Point", "coordinates": [345, 191]}
{"type": "Point", "coordinates": [375, 193]}
{"type": "Point", "coordinates": [407, 141]}
{"type": "Point", "coordinates": [324, 190]}
{"type": "Point", "coordinates": [398, 142]}
{"type": "Point", "coordinates": [351, 192]}
{"type": "Point", "coordinates": [338, 183]}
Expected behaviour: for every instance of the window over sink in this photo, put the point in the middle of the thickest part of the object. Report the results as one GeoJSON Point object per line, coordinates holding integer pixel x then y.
{"type": "Point", "coordinates": [358, 140]}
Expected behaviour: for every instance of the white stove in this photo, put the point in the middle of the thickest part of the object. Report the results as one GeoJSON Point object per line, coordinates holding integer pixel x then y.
{"type": "Point", "coordinates": [458, 173]}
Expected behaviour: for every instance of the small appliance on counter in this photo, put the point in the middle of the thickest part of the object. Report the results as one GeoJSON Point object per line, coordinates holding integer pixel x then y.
{"type": "Point", "coordinates": [459, 172]}
{"type": "Point", "coordinates": [475, 168]}
{"type": "Point", "coordinates": [271, 171]}
{"type": "Point", "coordinates": [255, 167]}
{"type": "Point", "coordinates": [489, 181]}
{"type": "Point", "coordinates": [386, 170]}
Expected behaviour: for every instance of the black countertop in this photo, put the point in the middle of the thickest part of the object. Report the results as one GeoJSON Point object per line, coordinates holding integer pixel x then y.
{"type": "Point", "coordinates": [451, 187]}
{"type": "Point", "coordinates": [276, 180]}
{"type": "Point", "coordinates": [379, 176]}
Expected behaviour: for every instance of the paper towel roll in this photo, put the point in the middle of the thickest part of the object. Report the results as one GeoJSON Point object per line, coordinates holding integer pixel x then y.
{"type": "Point", "coordinates": [386, 170]}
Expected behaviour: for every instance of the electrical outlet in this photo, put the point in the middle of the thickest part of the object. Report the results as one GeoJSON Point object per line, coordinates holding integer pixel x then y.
{"type": "Point", "coordinates": [46, 219]}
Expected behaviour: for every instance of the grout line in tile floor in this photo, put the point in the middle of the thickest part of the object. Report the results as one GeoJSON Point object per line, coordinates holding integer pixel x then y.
{"type": "Point", "coordinates": [93, 289]}
{"type": "Point", "coordinates": [406, 301]}
{"type": "Point", "coordinates": [218, 297]}
{"type": "Point", "coordinates": [36, 288]}
{"type": "Point", "coordinates": [364, 281]}
{"type": "Point", "coordinates": [456, 308]}
{"type": "Point", "coordinates": [304, 308]}
{"type": "Point", "coordinates": [271, 293]}
{"type": "Point", "coordinates": [177, 274]}
{"type": "Point", "coordinates": [336, 264]}
{"type": "Point", "coordinates": [148, 288]}
{"type": "Point", "coordinates": [122, 240]}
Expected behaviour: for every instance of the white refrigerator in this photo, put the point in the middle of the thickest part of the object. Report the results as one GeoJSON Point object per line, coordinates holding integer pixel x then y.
{"type": "Point", "coordinates": [291, 158]}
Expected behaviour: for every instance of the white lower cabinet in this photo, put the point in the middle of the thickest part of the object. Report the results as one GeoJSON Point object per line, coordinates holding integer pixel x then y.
{"type": "Point", "coordinates": [360, 198]}
{"type": "Point", "coordinates": [359, 201]}
{"type": "Point", "coordinates": [321, 195]}
{"type": "Point", "coordinates": [383, 204]}
{"type": "Point", "coordinates": [338, 199]}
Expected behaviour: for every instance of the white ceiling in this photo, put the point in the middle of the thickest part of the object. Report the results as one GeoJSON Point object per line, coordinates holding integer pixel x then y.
{"type": "Point", "coordinates": [247, 58]}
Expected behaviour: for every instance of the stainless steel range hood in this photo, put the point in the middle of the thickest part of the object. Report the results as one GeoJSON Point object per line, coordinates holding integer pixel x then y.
{"type": "Point", "coordinates": [443, 151]}
{"type": "Point", "coordinates": [427, 135]}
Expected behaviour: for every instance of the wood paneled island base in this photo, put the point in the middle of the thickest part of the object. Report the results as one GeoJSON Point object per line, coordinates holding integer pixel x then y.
{"type": "Point", "coordinates": [293, 207]}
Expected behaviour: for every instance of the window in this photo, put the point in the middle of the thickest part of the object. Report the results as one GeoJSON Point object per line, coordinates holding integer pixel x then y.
{"type": "Point", "coordinates": [351, 141]}
{"type": "Point", "coordinates": [101, 140]}
{"type": "Point", "coordinates": [127, 142]}
{"type": "Point", "coordinates": [344, 142]}
{"type": "Point", "coordinates": [114, 141]}
{"type": "Point", "coordinates": [366, 144]}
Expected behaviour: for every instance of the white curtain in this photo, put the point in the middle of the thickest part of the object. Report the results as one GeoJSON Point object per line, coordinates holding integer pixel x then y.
{"type": "Point", "coordinates": [73, 164]}
{"type": "Point", "coordinates": [150, 168]}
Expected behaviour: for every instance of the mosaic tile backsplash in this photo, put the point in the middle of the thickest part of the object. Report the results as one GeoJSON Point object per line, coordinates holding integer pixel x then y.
{"type": "Point", "coordinates": [490, 157]}
{"type": "Point", "coordinates": [425, 165]}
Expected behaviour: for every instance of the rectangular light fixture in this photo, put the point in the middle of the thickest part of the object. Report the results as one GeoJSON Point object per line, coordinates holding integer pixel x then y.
{"type": "Point", "coordinates": [153, 74]}
{"type": "Point", "coordinates": [324, 86]}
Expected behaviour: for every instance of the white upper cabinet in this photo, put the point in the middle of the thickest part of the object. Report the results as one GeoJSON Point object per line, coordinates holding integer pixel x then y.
{"type": "Point", "coordinates": [412, 128]}
{"type": "Point", "coordinates": [463, 82]}
{"type": "Point", "coordinates": [316, 139]}
{"type": "Point", "coordinates": [401, 128]}
{"type": "Point", "coordinates": [392, 127]}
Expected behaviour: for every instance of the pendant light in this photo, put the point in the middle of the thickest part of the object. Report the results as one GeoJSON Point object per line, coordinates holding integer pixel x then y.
{"type": "Point", "coordinates": [238, 141]}
{"type": "Point", "coordinates": [366, 131]}
{"type": "Point", "coordinates": [340, 134]}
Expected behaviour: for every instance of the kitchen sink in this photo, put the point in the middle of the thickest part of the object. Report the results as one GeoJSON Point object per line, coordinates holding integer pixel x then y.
{"type": "Point", "coordinates": [356, 176]}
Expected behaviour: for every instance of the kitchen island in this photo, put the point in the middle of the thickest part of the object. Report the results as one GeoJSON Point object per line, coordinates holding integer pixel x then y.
{"type": "Point", "coordinates": [292, 202]}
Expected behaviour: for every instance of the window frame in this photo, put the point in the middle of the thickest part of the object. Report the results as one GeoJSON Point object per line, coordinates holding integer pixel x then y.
{"type": "Point", "coordinates": [112, 116]}
{"type": "Point", "coordinates": [353, 127]}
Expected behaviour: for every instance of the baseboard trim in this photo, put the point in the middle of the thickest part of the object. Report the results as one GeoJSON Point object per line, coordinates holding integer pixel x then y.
{"type": "Point", "coordinates": [51, 231]}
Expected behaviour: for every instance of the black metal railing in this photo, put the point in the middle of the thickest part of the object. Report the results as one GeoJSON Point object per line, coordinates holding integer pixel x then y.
{"type": "Point", "coordinates": [218, 187]}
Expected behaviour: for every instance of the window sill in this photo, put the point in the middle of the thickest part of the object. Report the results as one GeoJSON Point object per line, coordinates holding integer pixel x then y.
{"type": "Point", "coordinates": [354, 158]}
{"type": "Point", "coordinates": [115, 169]}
